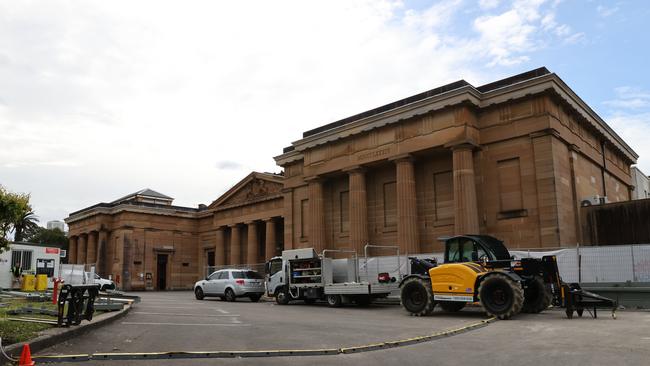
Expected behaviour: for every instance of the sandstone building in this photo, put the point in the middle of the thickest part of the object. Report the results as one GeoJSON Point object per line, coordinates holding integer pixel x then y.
{"type": "Point", "coordinates": [513, 159]}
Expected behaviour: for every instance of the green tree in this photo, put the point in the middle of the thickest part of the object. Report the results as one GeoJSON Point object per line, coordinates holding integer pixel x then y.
{"type": "Point", "coordinates": [13, 206]}
{"type": "Point", "coordinates": [25, 226]}
{"type": "Point", "coordinates": [53, 237]}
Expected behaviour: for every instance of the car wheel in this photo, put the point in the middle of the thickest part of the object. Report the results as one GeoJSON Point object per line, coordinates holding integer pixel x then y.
{"type": "Point", "coordinates": [230, 295]}
{"type": "Point", "coordinates": [198, 293]}
{"type": "Point", "coordinates": [255, 298]}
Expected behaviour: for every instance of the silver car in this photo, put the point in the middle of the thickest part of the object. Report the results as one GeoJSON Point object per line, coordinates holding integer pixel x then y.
{"type": "Point", "coordinates": [229, 284]}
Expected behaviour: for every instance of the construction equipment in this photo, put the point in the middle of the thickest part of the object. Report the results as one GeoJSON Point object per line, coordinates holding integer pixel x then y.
{"type": "Point", "coordinates": [79, 302]}
{"type": "Point", "coordinates": [479, 269]}
{"type": "Point", "coordinates": [303, 274]}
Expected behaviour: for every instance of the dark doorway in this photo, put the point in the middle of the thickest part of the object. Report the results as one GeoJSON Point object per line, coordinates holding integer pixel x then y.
{"type": "Point", "coordinates": [162, 272]}
{"type": "Point", "coordinates": [210, 258]}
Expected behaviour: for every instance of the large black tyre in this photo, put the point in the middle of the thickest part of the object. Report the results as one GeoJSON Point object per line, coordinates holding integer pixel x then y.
{"type": "Point", "coordinates": [501, 296]}
{"type": "Point", "coordinates": [334, 301]}
{"type": "Point", "coordinates": [417, 296]}
{"type": "Point", "coordinates": [537, 296]}
{"type": "Point", "coordinates": [230, 295]}
{"type": "Point", "coordinates": [451, 306]}
{"type": "Point", "coordinates": [282, 297]}
{"type": "Point", "coordinates": [198, 293]}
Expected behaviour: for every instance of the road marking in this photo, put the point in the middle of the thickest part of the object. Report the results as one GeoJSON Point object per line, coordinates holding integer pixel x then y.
{"type": "Point", "coordinates": [221, 311]}
{"type": "Point", "coordinates": [169, 307]}
{"type": "Point", "coordinates": [179, 314]}
{"type": "Point", "coordinates": [191, 324]}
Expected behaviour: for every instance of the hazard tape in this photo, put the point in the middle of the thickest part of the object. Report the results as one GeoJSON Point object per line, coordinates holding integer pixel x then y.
{"type": "Point", "coordinates": [261, 353]}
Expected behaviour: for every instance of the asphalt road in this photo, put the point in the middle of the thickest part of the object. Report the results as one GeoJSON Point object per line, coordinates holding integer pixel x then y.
{"type": "Point", "coordinates": [174, 321]}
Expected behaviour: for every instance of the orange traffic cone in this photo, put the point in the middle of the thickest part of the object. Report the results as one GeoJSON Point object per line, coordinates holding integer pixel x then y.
{"type": "Point", "coordinates": [26, 357]}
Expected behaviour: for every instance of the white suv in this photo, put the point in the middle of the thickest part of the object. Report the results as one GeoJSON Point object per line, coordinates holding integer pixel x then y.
{"type": "Point", "coordinates": [103, 283]}
{"type": "Point", "coordinates": [229, 284]}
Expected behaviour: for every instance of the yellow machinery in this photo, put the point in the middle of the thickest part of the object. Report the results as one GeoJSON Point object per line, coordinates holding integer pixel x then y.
{"type": "Point", "coordinates": [479, 268]}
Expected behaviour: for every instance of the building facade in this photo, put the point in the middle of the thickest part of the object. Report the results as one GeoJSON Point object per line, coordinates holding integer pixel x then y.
{"type": "Point", "coordinates": [514, 159]}
{"type": "Point", "coordinates": [641, 184]}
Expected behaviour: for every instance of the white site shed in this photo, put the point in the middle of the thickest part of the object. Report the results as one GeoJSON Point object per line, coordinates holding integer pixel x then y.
{"type": "Point", "coordinates": [30, 258]}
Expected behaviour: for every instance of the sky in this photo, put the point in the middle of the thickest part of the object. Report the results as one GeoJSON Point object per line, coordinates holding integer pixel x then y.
{"type": "Point", "coordinates": [99, 99]}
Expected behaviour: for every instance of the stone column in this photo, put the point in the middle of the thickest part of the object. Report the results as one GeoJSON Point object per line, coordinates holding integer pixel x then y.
{"type": "Point", "coordinates": [407, 214]}
{"type": "Point", "coordinates": [253, 245]}
{"type": "Point", "coordinates": [101, 253]}
{"type": "Point", "coordinates": [81, 249]}
{"type": "Point", "coordinates": [219, 248]}
{"type": "Point", "coordinates": [358, 209]}
{"type": "Point", "coordinates": [465, 205]}
{"type": "Point", "coordinates": [270, 238]}
{"type": "Point", "coordinates": [317, 237]}
{"type": "Point", "coordinates": [235, 245]}
{"type": "Point", "coordinates": [72, 250]}
{"type": "Point", "coordinates": [91, 248]}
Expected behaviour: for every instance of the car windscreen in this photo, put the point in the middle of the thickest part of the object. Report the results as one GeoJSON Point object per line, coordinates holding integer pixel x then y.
{"type": "Point", "coordinates": [247, 274]}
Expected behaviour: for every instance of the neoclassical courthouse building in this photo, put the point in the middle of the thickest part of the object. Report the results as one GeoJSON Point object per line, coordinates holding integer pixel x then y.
{"type": "Point", "coordinates": [513, 159]}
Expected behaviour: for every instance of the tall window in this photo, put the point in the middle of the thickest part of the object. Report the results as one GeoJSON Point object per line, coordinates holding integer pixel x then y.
{"type": "Point", "coordinates": [22, 259]}
{"type": "Point", "coordinates": [304, 224]}
{"type": "Point", "coordinates": [344, 218]}
{"type": "Point", "coordinates": [443, 190]}
{"type": "Point", "coordinates": [510, 197]}
{"type": "Point", "coordinates": [390, 205]}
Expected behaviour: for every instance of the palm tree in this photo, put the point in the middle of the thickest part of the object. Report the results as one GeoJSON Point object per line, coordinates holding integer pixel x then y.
{"type": "Point", "coordinates": [26, 224]}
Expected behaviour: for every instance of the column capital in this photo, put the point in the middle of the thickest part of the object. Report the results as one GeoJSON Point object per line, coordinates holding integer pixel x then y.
{"type": "Point", "coordinates": [250, 222]}
{"type": "Point", "coordinates": [234, 225]}
{"type": "Point", "coordinates": [355, 169]}
{"type": "Point", "coordinates": [545, 132]}
{"type": "Point", "coordinates": [267, 219]}
{"type": "Point", "coordinates": [462, 145]}
{"type": "Point", "coordinates": [402, 158]}
{"type": "Point", "coordinates": [313, 179]}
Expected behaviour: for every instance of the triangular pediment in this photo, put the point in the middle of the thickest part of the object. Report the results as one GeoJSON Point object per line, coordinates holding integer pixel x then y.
{"type": "Point", "coordinates": [255, 187]}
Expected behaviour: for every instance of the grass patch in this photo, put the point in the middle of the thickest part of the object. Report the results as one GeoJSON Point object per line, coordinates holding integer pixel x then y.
{"type": "Point", "coordinates": [14, 331]}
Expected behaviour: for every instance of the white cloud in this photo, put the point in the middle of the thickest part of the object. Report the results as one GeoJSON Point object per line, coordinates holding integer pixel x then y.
{"type": "Point", "coordinates": [633, 127]}
{"type": "Point", "coordinates": [518, 30]}
{"type": "Point", "coordinates": [605, 12]}
{"type": "Point", "coordinates": [100, 99]}
{"type": "Point", "coordinates": [488, 4]}
{"type": "Point", "coordinates": [629, 98]}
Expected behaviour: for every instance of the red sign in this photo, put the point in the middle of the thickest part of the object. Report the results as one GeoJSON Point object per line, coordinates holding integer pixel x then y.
{"type": "Point", "coordinates": [52, 250]}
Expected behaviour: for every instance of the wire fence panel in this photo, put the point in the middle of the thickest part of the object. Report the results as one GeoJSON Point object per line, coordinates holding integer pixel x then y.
{"type": "Point", "coordinates": [606, 264]}
{"type": "Point", "coordinates": [641, 262]}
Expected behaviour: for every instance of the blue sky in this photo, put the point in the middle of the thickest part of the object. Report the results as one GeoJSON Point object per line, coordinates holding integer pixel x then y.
{"type": "Point", "coordinates": [100, 99]}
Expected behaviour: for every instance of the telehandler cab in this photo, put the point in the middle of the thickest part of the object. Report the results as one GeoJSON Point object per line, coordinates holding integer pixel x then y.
{"type": "Point", "coordinates": [479, 268]}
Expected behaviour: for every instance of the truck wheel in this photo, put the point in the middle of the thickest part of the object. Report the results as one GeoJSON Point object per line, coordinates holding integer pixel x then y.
{"type": "Point", "coordinates": [282, 297]}
{"type": "Point", "coordinates": [417, 296]}
{"type": "Point", "coordinates": [334, 301]}
{"type": "Point", "coordinates": [537, 296]}
{"type": "Point", "coordinates": [452, 306]}
{"type": "Point", "coordinates": [501, 296]}
{"type": "Point", "coordinates": [198, 293]}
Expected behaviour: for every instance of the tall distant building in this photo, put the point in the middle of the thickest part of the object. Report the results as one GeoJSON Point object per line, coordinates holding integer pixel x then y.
{"type": "Point", "coordinates": [56, 224]}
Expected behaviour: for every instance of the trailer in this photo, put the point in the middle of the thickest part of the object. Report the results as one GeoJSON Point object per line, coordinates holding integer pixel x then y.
{"type": "Point", "coordinates": [303, 274]}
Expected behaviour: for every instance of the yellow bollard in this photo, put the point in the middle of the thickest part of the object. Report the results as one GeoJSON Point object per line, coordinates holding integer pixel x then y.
{"type": "Point", "coordinates": [41, 282]}
{"type": "Point", "coordinates": [29, 283]}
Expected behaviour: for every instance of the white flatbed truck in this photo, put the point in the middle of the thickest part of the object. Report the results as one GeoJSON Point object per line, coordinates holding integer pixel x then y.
{"type": "Point", "coordinates": [303, 274]}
